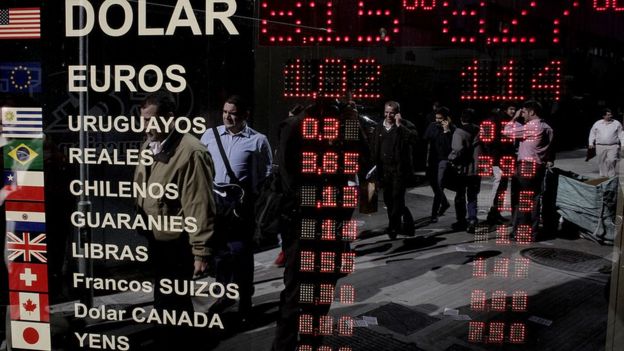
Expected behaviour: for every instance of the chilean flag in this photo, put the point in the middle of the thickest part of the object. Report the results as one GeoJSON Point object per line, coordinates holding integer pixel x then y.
{"type": "Point", "coordinates": [29, 306]}
{"type": "Point", "coordinates": [24, 185]}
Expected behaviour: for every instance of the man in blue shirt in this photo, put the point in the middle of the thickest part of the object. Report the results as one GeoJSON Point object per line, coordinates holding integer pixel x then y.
{"type": "Point", "coordinates": [249, 155]}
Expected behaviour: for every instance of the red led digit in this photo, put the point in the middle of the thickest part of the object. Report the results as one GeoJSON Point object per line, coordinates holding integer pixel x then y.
{"type": "Point", "coordinates": [507, 83]}
{"type": "Point", "coordinates": [349, 230]}
{"type": "Point", "coordinates": [305, 348]}
{"type": "Point", "coordinates": [352, 130]}
{"type": "Point", "coordinates": [329, 197]}
{"type": "Point", "coordinates": [326, 325]}
{"type": "Point", "coordinates": [327, 294]}
{"type": "Point", "coordinates": [306, 293]}
{"type": "Point", "coordinates": [499, 301]}
{"type": "Point", "coordinates": [347, 262]}
{"type": "Point", "coordinates": [485, 166]}
{"type": "Point", "coordinates": [345, 348]}
{"type": "Point", "coordinates": [496, 333]}
{"type": "Point", "coordinates": [349, 197]}
{"type": "Point", "coordinates": [528, 169]}
{"type": "Point", "coordinates": [502, 235]}
{"type": "Point", "coordinates": [332, 78]}
{"type": "Point", "coordinates": [472, 78]}
{"type": "Point", "coordinates": [519, 301]}
{"type": "Point", "coordinates": [351, 163]}
{"type": "Point", "coordinates": [501, 267]}
{"type": "Point", "coordinates": [308, 162]}
{"type": "Point", "coordinates": [310, 128]}
{"type": "Point", "coordinates": [302, 22]}
{"type": "Point", "coordinates": [347, 294]}
{"type": "Point", "coordinates": [504, 204]}
{"type": "Point", "coordinates": [345, 326]}
{"type": "Point", "coordinates": [366, 79]}
{"type": "Point", "coordinates": [330, 163]}
{"type": "Point", "coordinates": [521, 268]}
{"type": "Point", "coordinates": [525, 202]}
{"type": "Point", "coordinates": [306, 263]}
{"type": "Point", "coordinates": [413, 5]}
{"type": "Point", "coordinates": [507, 165]}
{"type": "Point", "coordinates": [605, 5]}
{"type": "Point", "coordinates": [306, 324]}
{"type": "Point", "coordinates": [375, 14]}
{"type": "Point", "coordinates": [328, 262]}
{"type": "Point", "coordinates": [299, 81]}
{"type": "Point", "coordinates": [503, 138]}
{"type": "Point", "coordinates": [546, 83]}
{"type": "Point", "coordinates": [476, 331]}
{"type": "Point", "coordinates": [479, 269]}
{"type": "Point", "coordinates": [328, 229]}
{"type": "Point", "coordinates": [524, 234]}
{"type": "Point", "coordinates": [487, 134]}
{"type": "Point", "coordinates": [331, 128]}
{"type": "Point", "coordinates": [478, 300]}
{"type": "Point", "coordinates": [517, 333]}
{"type": "Point", "coordinates": [463, 22]}
{"type": "Point", "coordinates": [324, 348]}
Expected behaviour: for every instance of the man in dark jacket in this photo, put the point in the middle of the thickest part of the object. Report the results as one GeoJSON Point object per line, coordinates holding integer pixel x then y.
{"type": "Point", "coordinates": [438, 135]}
{"type": "Point", "coordinates": [391, 149]}
{"type": "Point", "coordinates": [463, 156]}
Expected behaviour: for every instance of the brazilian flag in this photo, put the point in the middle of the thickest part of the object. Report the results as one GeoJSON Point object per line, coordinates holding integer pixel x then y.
{"type": "Point", "coordinates": [26, 154]}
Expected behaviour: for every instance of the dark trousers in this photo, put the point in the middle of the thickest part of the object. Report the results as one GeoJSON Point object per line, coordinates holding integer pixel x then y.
{"type": "Point", "coordinates": [234, 263]}
{"type": "Point", "coordinates": [439, 198]}
{"type": "Point", "coordinates": [528, 213]}
{"type": "Point", "coordinates": [466, 198]}
{"type": "Point", "coordinates": [171, 260]}
{"type": "Point", "coordinates": [394, 199]}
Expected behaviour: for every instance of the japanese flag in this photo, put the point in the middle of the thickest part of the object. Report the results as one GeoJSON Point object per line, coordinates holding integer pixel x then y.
{"type": "Point", "coordinates": [29, 306]}
{"type": "Point", "coordinates": [30, 335]}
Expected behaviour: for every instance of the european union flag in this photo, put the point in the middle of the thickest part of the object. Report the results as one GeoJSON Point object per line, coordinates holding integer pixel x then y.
{"type": "Point", "coordinates": [20, 77]}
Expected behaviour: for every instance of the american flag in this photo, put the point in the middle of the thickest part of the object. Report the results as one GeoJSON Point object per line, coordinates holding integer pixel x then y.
{"type": "Point", "coordinates": [21, 244]}
{"type": "Point", "coordinates": [20, 23]}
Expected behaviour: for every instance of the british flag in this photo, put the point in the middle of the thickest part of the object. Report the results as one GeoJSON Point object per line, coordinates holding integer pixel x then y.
{"type": "Point", "coordinates": [26, 247]}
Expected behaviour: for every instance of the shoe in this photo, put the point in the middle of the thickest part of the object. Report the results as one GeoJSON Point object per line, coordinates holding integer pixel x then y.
{"type": "Point", "coordinates": [443, 209]}
{"type": "Point", "coordinates": [392, 234]}
{"type": "Point", "coordinates": [459, 226]}
{"type": "Point", "coordinates": [471, 228]}
{"type": "Point", "coordinates": [280, 261]}
{"type": "Point", "coordinates": [433, 219]}
{"type": "Point", "coordinates": [494, 217]}
{"type": "Point", "coordinates": [221, 305]}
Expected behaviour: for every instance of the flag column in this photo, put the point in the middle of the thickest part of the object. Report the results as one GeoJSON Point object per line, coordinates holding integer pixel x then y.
{"type": "Point", "coordinates": [23, 190]}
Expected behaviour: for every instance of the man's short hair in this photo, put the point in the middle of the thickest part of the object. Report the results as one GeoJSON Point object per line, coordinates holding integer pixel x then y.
{"type": "Point", "coordinates": [241, 104]}
{"type": "Point", "coordinates": [534, 106]}
{"type": "Point", "coordinates": [468, 115]}
{"type": "Point", "coordinates": [506, 105]}
{"type": "Point", "coordinates": [395, 105]}
{"type": "Point", "coordinates": [444, 111]}
{"type": "Point", "coordinates": [604, 111]}
{"type": "Point", "coordinates": [163, 100]}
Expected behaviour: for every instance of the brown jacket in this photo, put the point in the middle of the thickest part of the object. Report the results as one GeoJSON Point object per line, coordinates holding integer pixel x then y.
{"type": "Point", "coordinates": [184, 162]}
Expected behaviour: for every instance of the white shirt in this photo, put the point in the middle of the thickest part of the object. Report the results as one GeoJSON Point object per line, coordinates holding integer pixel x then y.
{"type": "Point", "coordinates": [606, 133]}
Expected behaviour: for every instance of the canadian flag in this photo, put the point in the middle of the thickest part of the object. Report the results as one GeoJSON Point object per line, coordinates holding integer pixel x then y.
{"type": "Point", "coordinates": [30, 335]}
{"type": "Point", "coordinates": [29, 306]}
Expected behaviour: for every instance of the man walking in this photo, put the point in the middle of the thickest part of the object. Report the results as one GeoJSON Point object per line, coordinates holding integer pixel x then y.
{"type": "Point", "coordinates": [439, 135]}
{"type": "Point", "coordinates": [391, 153]}
{"type": "Point", "coordinates": [180, 160]}
{"type": "Point", "coordinates": [606, 137]}
{"type": "Point", "coordinates": [241, 156]}
{"type": "Point", "coordinates": [535, 154]}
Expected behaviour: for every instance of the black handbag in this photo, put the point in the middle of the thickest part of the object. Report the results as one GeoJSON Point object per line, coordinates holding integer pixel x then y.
{"type": "Point", "coordinates": [228, 197]}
